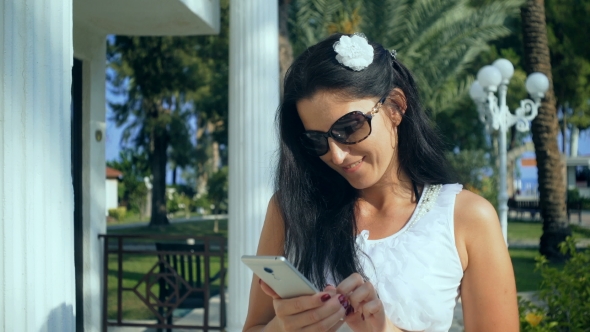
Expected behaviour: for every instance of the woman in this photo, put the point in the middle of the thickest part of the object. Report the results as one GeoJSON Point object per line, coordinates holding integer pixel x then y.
{"type": "Point", "coordinates": [364, 209]}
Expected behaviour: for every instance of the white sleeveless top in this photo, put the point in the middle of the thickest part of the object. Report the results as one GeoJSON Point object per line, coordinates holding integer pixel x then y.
{"type": "Point", "coordinates": [417, 271]}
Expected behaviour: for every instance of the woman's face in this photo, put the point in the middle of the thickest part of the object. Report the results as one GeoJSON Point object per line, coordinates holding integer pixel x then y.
{"type": "Point", "coordinates": [362, 164]}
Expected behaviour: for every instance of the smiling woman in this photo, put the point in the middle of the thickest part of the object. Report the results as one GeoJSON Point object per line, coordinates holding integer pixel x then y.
{"type": "Point", "coordinates": [366, 208]}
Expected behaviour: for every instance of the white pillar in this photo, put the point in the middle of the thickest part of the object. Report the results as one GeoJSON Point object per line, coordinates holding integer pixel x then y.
{"type": "Point", "coordinates": [253, 100]}
{"type": "Point", "coordinates": [37, 285]}
{"type": "Point", "coordinates": [90, 47]}
{"type": "Point", "coordinates": [574, 139]}
{"type": "Point", "coordinates": [502, 147]}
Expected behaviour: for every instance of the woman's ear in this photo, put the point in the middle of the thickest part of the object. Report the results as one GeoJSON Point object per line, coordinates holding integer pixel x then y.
{"type": "Point", "coordinates": [397, 105]}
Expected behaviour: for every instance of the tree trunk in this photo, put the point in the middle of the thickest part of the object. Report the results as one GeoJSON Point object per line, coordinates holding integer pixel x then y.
{"type": "Point", "coordinates": [158, 153]}
{"type": "Point", "coordinates": [285, 48]}
{"type": "Point", "coordinates": [545, 130]}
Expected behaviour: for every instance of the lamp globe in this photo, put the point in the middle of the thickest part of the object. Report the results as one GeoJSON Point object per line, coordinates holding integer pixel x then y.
{"type": "Point", "coordinates": [537, 83]}
{"type": "Point", "coordinates": [489, 77]}
{"type": "Point", "coordinates": [476, 92]}
{"type": "Point", "coordinates": [506, 69]}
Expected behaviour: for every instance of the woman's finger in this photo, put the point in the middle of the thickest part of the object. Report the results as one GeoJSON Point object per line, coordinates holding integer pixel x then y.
{"type": "Point", "coordinates": [374, 314]}
{"type": "Point", "coordinates": [349, 284]}
{"type": "Point", "coordinates": [327, 318]}
{"type": "Point", "coordinates": [267, 290]}
{"type": "Point", "coordinates": [296, 305]}
{"type": "Point", "coordinates": [363, 293]}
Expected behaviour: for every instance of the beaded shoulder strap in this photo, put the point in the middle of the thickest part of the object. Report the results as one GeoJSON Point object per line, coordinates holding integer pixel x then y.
{"type": "Point", "coordinates": [425, 204]}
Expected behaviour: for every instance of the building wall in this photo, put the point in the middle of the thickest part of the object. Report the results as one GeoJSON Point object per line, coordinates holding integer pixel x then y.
{"type": "Point", "coordinates": [37, 282]}
{"type": "Point", "coordinates": [112, 199]}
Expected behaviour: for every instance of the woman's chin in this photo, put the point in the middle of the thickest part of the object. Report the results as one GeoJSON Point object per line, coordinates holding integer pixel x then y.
{"type": "Point", "coordinates": [360, 185]}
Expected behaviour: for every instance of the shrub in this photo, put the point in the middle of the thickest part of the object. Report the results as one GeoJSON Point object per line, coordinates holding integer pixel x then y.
{"type": "Point", "coordinates": [172, 200]}
{"type": "Point", "coordinates": [118, 213]}
{"type": "Point", "coordinates": [565, 293]}
{"type": "Point", "coordinates": [573, 195]}
{"type": "Point", "coordinates": [201, 203]}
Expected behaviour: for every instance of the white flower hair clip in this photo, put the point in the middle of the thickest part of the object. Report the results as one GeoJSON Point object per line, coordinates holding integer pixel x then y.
{"type": "Point", "coordinates": [354, 52]}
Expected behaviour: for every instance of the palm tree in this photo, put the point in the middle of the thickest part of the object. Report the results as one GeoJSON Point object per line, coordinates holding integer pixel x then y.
{"type": "Point", "coordinates": [437, 39]}
{"type": "Point", "coordinates": [545, 129]}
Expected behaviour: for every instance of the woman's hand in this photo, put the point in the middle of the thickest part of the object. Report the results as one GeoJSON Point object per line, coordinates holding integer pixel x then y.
{"type": "Point", "coordinates": [366, 312]}
{"type": "Point", "coordinates": [319, 312]}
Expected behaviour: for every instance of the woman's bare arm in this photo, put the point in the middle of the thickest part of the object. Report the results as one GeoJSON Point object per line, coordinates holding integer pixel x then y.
{"type": "Point", "coordinates": [488, 290]}
{"type": "Point", "coordinates": [272, 239]}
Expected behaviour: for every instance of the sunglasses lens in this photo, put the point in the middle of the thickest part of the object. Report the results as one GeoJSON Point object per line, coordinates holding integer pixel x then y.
{"type": "Point", "coordinates": [315, 143]}
{"type": "Point", "coordinates": [351, 128]}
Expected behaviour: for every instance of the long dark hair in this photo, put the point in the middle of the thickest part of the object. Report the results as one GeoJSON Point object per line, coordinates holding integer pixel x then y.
{"type": "Point", "coordinates": [318, 204]}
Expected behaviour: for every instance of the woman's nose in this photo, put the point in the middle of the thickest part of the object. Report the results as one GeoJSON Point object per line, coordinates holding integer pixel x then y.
{"type": "Point", "coordinates": [337, 151]}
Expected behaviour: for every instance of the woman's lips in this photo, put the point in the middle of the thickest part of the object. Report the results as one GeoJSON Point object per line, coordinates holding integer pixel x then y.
{"type": "Point", "coordinates": [354, 166]}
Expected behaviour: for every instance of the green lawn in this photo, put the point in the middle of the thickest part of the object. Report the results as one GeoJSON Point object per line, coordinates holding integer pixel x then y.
{"type": "Point", "coordinates": [198, 228]}
{"type": "Point", "coordinates": [523, 260]}
{"type": "Point", "coordinates": [519, 231]}
{"type": "Point", "coordinates": [132, 217]}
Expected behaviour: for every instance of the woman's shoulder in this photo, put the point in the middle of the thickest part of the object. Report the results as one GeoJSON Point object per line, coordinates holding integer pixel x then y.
{"type": "Point", "coordinates": [472, 209]}
{"type": "Point", "coordinates": [477, 226]}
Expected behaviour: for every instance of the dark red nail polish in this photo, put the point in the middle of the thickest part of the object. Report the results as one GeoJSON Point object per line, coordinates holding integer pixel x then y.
{"type": "Point", "coordinates": [363, 316]}
{"type": "Point", "coordinates": [341, 298]}
{"type": "Point", "coordinates": [345, 304]}
{"type": "Point", "coordinates": [349, 310]}
{"type": "Point", "coordinates": [325, 297]}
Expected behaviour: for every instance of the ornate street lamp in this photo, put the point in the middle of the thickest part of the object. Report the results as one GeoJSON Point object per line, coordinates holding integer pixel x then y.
{"type": "Point", "coordinates": [494, 113]}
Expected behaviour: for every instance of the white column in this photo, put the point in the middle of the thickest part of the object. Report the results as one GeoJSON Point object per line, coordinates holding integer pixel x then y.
{"type": "Point", "coordinates": [90, 47]}
{"type": "Point", "coordinates": [37, 286]}
{"type": "Point", "coordinates": [253, 100]}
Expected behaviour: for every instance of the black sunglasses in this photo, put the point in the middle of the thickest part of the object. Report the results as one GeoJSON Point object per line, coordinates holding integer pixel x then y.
{"type": "Point", "coordinates": [352, 128]}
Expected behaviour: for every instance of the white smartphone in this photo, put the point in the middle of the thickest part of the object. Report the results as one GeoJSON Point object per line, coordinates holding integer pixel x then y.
{"type": "Point", "coordinates": [280, 275]}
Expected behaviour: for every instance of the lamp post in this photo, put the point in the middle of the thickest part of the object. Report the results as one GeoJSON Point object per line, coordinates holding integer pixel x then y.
{"type": "Point", "coordinates": [494, 112]}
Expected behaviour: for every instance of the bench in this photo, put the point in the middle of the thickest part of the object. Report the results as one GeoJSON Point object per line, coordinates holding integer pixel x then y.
{"type": "Point", "coordinates": [188, 280]}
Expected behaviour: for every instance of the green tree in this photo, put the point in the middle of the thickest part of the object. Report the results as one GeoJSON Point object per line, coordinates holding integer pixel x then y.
{"type": "Point", "coordinates": [570, 63]}
{"type": "Point", "coordinates": [211, 103]}
{"type": "Point", "coordinates": [217, 189]}
{"type": "Point", "coordinates": [155, 76]}
{"type": "Point", "coordinates": [134, 165]}
{"type": "Point", "coordinates": [437, 39]}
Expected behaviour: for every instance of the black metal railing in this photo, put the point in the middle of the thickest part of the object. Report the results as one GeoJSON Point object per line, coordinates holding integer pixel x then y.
{"type": "Point", "coordinates": [179, 277]}
{"type": "Point", "coordinates": [533, 208]}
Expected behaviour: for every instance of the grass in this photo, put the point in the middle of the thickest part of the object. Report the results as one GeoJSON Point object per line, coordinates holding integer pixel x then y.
{"type": "Point", "coordinates": [132, 217]}
{"type": "Point", "coordinates": [199, 228]}
{"type": "Point", "coordinates": [523, 231]}
{"type": "Point", "coordinates": [523, 261]}
{"type": "Point", "coordinates": [135, 266]}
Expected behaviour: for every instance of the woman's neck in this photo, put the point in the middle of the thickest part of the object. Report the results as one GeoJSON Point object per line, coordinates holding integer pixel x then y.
{"type": "Point", "coordinates": [395, 190]}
